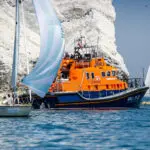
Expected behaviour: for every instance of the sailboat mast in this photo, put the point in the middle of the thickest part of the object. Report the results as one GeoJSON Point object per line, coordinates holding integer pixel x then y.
{"type": "Point", "coordinates": [16, 50]}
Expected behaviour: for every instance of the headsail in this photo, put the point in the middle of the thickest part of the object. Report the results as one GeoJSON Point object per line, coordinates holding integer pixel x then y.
{"type": "Point", "coordinates": [51, 49]}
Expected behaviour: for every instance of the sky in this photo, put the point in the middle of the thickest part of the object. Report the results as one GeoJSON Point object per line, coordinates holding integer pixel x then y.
{"type": "Point", "coordinates": [133, 34]}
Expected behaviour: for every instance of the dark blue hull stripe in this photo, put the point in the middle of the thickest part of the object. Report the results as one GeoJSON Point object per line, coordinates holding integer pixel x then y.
{"type": "Point", "coordinates": [74, 100]}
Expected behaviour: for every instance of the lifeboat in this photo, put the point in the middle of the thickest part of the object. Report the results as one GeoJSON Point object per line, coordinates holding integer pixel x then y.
{"type": "Point", "coordinates": [86, 80]}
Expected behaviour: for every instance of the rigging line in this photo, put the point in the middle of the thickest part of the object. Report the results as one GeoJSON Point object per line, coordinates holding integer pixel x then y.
{"type": "Point", "coordinates": [25, 41]}
{"type": "Point", "coordinates": [24, 36]}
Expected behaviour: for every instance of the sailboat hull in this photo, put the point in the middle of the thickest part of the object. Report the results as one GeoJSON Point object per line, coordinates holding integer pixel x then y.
{"type": "Point", "coordinates": [74, 100]}
{"type": "Point", "coordinates": [14, 111]}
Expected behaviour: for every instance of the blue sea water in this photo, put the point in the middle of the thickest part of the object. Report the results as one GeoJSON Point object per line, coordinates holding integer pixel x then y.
{"type": "Point", "coordinates": [78, 130]}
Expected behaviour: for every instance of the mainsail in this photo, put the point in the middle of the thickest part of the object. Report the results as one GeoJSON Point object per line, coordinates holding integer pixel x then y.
{"type": "Point", "coordinates": [51, 49]}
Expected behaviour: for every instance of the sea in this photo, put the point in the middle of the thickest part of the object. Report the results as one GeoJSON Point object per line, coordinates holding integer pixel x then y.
{"type": "Point", "coordinates": [78, 130]}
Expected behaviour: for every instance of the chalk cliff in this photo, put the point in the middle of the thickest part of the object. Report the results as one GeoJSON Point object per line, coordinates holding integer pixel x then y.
{"type": "Point", "coordinates": [93, 19]}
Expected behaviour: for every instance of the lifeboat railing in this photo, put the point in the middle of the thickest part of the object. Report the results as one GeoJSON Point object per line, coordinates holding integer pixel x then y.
{"type": "Point", "coordinates": [135, 82]}
{"type": "Point", "coordinates": [115, 95]}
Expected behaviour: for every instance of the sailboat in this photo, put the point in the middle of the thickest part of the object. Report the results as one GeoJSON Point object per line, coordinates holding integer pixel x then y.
{"type": "Point", "coordinates": [9, 108]}
{"type": "Point", "coordinates": [52, 46]}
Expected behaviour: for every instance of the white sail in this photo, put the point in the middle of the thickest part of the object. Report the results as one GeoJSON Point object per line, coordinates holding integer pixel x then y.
{"type": "Point", "coordinates": [147, 80]}
{"type": "Point", "coordinates": [51, 49]}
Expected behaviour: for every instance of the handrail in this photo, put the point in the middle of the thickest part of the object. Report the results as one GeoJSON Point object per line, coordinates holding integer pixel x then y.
{"type": "Point", "coordinates": [135, 82]}
{"type": "Point", "coordinates": [113, 96]}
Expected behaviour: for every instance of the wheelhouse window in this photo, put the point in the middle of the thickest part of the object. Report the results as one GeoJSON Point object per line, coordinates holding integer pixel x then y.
{"type": "Point", "coordinates": [87, 75]}
{"type": "Point", "coordinates": [64, 75]}
{"type": "Point", "coordinates": [113, 73]}
{"type": "Point", "coordinates": [108, 73]}
{"type": "Point", "coordinates": [92, 74]}
{"type": "Point", "coordinates": [103, 74]}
